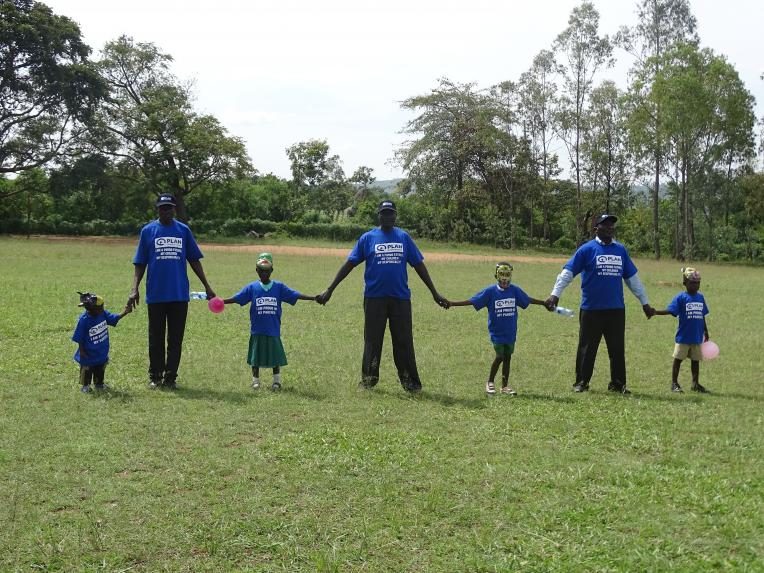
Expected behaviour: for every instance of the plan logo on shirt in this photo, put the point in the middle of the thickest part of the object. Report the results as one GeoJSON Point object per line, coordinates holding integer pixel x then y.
{"type": "Point", "coordinates": [266, 305]}
{"type": "Point", "coordinates": [388, 253]}
{"type": "Point", "coordinates": [98, 333]}
{"type": "Point", "coordinates": [694, 310]}
{"type": "Point", "coordinates": [168, 248]}
{"type": "Point", "coordinates": [505, 307]}
{"type": "Point", "coordinates": [609, 265]}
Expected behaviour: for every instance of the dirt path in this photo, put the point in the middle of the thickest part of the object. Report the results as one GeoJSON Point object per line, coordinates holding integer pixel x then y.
{"type": "Point", "coordinates": [310, 251]}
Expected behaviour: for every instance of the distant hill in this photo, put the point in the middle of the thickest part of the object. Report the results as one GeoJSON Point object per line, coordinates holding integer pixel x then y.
{"type": "Point", "coordinates": [387, 185]}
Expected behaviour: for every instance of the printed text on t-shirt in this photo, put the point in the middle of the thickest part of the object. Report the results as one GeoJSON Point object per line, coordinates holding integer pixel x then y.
{"type": "Point", "coordinates": [694, 310]}
{"type": "Point", "coordinates": [505, 307]}
{"type": "Point", "coordinates": [168, 248]}
{"type": "Point", "coordinates": [609, 265]}
{"type": "Point", "coordinates": [388, 253]}
{"type": "Point", "coordinates": [266, 305]}
{"type": "Point", "coordinates": [98, 333]}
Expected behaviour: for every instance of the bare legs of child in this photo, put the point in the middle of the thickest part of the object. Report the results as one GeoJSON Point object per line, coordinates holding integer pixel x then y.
{"type": "Point", "coordinates": [694, 369]}
{"type": "Point", "coordinates": [503, 360]}
{"type": "Point", "coordinates": [276, 378]}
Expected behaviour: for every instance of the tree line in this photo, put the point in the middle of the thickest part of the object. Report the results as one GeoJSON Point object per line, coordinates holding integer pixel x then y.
{"type": "Point", "coordinates": [86, 142]}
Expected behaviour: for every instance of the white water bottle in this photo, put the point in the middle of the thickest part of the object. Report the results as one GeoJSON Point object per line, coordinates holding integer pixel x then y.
{"type": "Point", "coordinates": [198, 296]}
{"type": "Point", "coordinates": [563, 311]}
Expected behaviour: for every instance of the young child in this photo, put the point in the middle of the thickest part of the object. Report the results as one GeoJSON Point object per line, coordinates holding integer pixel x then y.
{"type": "Point", "coordinates": [502, 300]}
{"type": "Point", "coordinates": [266, 296]}
{"type": "Point", "coordinates": [92, 336]}
{"type": "Point", "coordinates": [691, 309]}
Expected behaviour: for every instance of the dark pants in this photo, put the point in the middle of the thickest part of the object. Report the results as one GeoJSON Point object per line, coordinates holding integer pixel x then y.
{"type": "Point", "coordinates": [377, 311]}
{"type": "Point", "coordinates": [594, 324]}
{"type": "Point", "coordinates": [166, 318]}
{"type": "Point", "coordinates": [92, 373]}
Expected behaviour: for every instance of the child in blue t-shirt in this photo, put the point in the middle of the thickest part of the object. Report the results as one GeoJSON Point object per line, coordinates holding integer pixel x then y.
{"type": "Point", "coordinates": [266, 296]}
{"type": "Point", "coordinates": [92, 336]}
{"type": "Point", "coordinates": [502, 301]}
{"type": "Point", "coordinates": [691, 310]}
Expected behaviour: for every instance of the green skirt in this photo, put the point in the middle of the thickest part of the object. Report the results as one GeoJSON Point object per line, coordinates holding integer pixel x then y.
{"type": "Point", "coordinates": [266, 351]}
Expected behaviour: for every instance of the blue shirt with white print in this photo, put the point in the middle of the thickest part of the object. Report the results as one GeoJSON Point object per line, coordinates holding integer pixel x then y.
{"type": "Point", "coordinates": [92, 335]}
{"type": "Point", "coordinates": [165, 249]}
{"type": "Point", "coordinates": [265, 312]}
{"type": "Point", "coordinates": [603, 269]}
{"type": "Point", "coordinates": [386, 254]}
{"type": "Point", "coordinates": [691, 310]}
{"type": "Point", "coordinates": [502, 310]}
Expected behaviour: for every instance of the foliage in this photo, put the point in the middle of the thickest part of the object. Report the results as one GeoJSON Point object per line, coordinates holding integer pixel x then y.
{"type": "Point", "coordinates": [47, 86]}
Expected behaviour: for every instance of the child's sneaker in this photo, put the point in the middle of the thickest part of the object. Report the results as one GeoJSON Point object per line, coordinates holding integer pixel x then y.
{"type": "Point", "coordinates": [490, 388]}
{"type": "Point", "coordinates": [675, 387]}
{"type": "Point", "coordinates": [255, 383]}
{"type": "Point", "coordinates": [508, 390]}
{"type": "Point", "coordinates": [86, 389]}
{"type": "Point", "coordinates": [699, 388]}
{"type": "Point", "coordinates": [276, 386]}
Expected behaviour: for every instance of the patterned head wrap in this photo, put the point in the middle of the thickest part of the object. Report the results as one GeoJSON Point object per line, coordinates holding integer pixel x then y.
{"type": "Point", "coordinates": [264, 261]}
{"type": "Point", "coordinates": [690, 274]}
{"type": "Point", "coordinates": [503, 272]}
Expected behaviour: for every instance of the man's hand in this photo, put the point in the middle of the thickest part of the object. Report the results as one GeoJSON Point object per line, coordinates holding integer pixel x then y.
{"type": "Point", "coordinates": [551, 303]}
{"type": "Point", "coordinates": [442, 302]}
{"type": "Point", "coordinates": [210, 293]}
{"type": "Point", "coordinates": [324, 297]}
{"type": "Point", "coordinates": [648, 310]}
{"type": "Point", "coordinates": [133, 299]}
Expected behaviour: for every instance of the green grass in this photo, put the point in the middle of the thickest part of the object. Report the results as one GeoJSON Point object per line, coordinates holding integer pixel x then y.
{"type": "Point", "coordinates": [321, 477]}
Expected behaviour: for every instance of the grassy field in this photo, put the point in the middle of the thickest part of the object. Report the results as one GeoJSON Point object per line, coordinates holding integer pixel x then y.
{"type": "Point", "coordinates": [322, 477]}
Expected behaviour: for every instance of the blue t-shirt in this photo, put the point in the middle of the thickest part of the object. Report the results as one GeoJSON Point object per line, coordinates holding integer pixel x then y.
{"type": "Point", "coordinates": [502, 310]}
{"type": "Point", "coordinates": [386, 254]}
{"type": "Point", "coordinates": [92, 334]}
{"type": "Point", "coordinates": [603, 269]}
{"type": "Point", "coordinates": [691, 311]}
{"type": "Point", "coordinates": [265, 312]}
{"type": "Point", "coordinates": [164, 249]}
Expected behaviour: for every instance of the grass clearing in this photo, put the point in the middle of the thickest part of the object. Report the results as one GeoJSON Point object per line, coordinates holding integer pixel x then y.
{"type": "Point", "coordinates": [322, 477]}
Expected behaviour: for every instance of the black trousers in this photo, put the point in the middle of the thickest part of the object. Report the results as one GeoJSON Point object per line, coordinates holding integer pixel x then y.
{"type": "Point", "coordinates": [377, 312]}
{"type": "Point", "coordinates": [166, 319]}
{"type": "Point", "coordinates": [594, 324]}
{"type": "Point", "coordinates": [92, 373]}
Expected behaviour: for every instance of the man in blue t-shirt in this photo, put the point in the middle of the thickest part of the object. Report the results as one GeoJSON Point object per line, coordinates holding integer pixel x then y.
{"type": "Point", "coordinates": [604, 265]}
{"type": "Point", "coordinates": [387, 250]}
{"type": "Point", "coordinates": [164, 248]}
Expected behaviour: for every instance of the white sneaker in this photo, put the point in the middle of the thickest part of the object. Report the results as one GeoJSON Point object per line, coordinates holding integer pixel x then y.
{"type": "Point", "coordinates": [255, 383]}
{"type": "Point", "coordinates": [490, 388]}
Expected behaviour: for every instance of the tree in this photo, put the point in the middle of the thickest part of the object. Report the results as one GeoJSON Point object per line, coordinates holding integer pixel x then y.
{"type": "Point", "coordinates": [47, 87]}
{"type": "Point", "coordinates": [318, 177]}
{"type": "Point", "coordinates": [583, 53]}
{"type": "Point", "coordinates": [148, 124]}
{"type": "Point", "coordinates": [707, 126]}
{"type": "Point", "coordinates": [661, 24]}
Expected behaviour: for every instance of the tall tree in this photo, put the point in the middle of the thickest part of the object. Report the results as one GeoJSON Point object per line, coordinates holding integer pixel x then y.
{"type": "Point", "coordinates": [583, 52]}
{"type": "Point", "coordinates": [538, 100]}
{"type": "Point", "coordinates": [149, 124]}
{"type": "Point", "coordinates": [318, 177]}
{"type": "Point", "coordinates": [660, 25]}
{"type": "Point", "coordinates": [47, 87]}
{"type": "Point", "coordinates": [707, 126]}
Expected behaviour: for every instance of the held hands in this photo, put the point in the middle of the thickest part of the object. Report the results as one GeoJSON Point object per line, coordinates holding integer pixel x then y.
{"type": "Point", "coordinates": [442, 302]}
{"type": "Point", "coordinates": [133, 299]}
{"type": "Point", "coordinates": [648, 310]}
{"type": "Point", "coordinates": [324, 297]}
{"type": "Point", "coordinates": [551, 303]}
{"type": "Point", "coordinates": [210, 293]}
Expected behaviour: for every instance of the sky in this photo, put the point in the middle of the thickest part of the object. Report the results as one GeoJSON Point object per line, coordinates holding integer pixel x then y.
{"type": "Point", "coordinates": [278, 72]}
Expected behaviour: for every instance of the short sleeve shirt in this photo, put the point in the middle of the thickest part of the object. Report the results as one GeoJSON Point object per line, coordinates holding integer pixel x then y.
{"type": "Point", "coordinates": [502, 307]}
{"type": "Point", "coordinates": [265, 312]}
{"type": "Point", "coordinates": [386, 254]}
{"type": "Point", "coordinates": [691, 311]}
{"type": "Point", "coordinates": [92, 334]}
{"type": "Point", "coordinates": [165, 249]}
{"type": "Point", "coordinates": [603, 269]}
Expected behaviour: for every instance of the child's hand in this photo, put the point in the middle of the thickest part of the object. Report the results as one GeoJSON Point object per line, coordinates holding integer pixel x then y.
{"type": "Point", "coordinates": [128, 309]}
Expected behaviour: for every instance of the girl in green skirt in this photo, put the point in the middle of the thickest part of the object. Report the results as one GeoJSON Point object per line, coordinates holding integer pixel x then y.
{"type": "Point", "coordinates": [266, 296]}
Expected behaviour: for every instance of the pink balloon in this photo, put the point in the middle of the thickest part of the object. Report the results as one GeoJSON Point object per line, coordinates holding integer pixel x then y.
{"type": "Point", "coordinates": [216, 304]}
{"type": "Point", "coordinates": [709, 350]}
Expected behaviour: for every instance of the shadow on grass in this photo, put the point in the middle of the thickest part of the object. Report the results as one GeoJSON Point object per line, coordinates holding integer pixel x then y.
{"type": "Point", "coordinates": [543, 397]}
{"type": "Point", "coordinates": [189, 393]}
{"type": "Point", "coordinates": [302, 393]}
{"type": "Point", "coordinates": [425, 395]}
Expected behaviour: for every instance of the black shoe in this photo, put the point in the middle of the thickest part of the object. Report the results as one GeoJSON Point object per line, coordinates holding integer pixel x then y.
{"type": "Point", "coordinates": [618, 389]}
{"type": "Point", "coordinates": [699, 388]}
{"type": "Point", "coordinates": [85, 389]}
{"type": "Point", "coordinates": [367, 383]}
{"type": "Point", "coordinates": [154, 384]}
{"type": "Point", "coordinates": [675, 387]}
{"type": "Point", "coordinates": [101, 387]}
{"type": "Point", "coordinates": [580, 387]}
{"type": "Point", "coordinates": [276, 386]}
{"type": "Point", "coordinates": [170, 386]}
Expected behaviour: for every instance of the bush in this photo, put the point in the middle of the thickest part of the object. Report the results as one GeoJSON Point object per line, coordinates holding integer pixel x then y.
{"type": "Point", "coordinates": [564, 244]}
